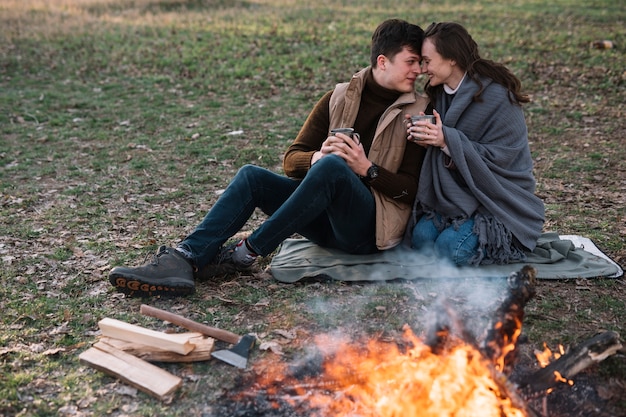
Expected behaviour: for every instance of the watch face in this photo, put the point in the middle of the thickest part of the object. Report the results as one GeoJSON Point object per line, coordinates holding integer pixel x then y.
{"type": "Point", "coordinates": [372, 172]}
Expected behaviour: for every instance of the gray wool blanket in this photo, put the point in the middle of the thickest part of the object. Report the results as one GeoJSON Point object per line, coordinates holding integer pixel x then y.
{"type": "Point", "coordinates": [555, 257]}
{"type": "Point", "coordinates": [491, 175]}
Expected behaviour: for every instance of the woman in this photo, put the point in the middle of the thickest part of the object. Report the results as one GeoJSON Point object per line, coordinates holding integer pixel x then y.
{"type": "Point", "coordinates": [475, 202]}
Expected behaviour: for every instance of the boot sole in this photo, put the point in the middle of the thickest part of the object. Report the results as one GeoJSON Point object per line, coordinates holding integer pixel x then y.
{"type": "Point", "coordinates": [134, 287]}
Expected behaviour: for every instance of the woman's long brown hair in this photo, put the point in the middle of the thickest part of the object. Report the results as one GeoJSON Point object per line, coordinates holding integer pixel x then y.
{"type": "Point", "coordinates": [452, 41]}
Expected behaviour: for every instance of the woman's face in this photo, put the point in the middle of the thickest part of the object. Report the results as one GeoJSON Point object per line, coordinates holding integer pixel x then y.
{"type": "Point", "coordinates": [439, 69]}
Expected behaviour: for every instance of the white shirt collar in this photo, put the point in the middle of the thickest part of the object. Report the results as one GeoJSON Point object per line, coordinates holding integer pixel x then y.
{"type": "Point", "coordinates": [448, 90]}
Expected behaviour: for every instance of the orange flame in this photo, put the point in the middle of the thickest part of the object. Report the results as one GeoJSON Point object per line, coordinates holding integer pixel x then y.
{"type": "Point", "coordinates": [546, 356]}
{"type": "Point", "coordinates": [543, 357]}
{"type": "Point", "coordinates": [508, 345]}
{"type": "Point", "coordinates": [381, 379]}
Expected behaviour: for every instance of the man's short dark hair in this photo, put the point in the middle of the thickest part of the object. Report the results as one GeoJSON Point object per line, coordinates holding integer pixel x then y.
{"type": "Point", "coordinates": [394, 34]}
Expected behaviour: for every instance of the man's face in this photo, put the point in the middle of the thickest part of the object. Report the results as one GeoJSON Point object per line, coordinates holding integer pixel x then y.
{"type": "Point", "coordinates": [399, 73]}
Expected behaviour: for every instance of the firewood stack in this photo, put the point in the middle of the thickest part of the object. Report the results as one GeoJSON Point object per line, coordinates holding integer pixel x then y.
{"type": "Point", "coordinates": [126, 351]}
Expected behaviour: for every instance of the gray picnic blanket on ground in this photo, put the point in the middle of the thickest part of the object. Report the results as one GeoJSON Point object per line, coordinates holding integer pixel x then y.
{"type": "Point", "coordinates": [556, 257]}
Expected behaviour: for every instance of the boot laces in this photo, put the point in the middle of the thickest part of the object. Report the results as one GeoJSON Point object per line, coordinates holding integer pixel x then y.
{"type": "Point", "coordinates": [154, 256]}
{"type": "Point", "coordinates": [225, 255]}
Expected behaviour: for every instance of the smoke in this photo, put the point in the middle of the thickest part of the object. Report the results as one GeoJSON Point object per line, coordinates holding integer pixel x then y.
{"type": "Point", "coordinates": [383, 295]}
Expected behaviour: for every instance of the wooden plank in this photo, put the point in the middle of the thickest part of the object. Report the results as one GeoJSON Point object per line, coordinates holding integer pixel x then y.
{"type": "Point", "coordinates": [134, 371]}
{"type": "Point", "coordinates": [202, 351]}
{"type": "Point", "coordinates": [173, 342]}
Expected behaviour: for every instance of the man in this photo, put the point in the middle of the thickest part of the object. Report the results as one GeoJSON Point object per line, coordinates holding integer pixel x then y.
{"type": "Point", "coordinates": [353, 194]}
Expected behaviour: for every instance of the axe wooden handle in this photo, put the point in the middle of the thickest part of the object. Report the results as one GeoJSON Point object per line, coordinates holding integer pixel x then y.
{"type": "Point", "coordinates": [223, 335]}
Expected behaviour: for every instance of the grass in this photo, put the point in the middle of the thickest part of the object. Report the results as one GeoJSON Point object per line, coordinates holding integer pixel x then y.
{"type": "Point", "coordinates": [117, 122]}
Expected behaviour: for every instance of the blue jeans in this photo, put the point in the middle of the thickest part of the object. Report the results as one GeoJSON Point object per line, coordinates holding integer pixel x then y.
{"type": "Point", "coordinates": [331, 207]}
{"type": "Point", "coordinates": [458, 245]}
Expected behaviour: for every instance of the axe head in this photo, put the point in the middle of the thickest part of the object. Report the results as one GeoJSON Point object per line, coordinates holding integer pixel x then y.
{"type": "Point", "coordinates": [238, 354]}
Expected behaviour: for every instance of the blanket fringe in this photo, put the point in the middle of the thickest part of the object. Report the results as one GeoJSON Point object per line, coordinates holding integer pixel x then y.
{"type": "Point", "coordinates": [495, 243]}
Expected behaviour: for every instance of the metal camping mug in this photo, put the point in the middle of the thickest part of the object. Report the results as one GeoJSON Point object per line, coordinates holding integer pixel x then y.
{"type": "Point", "coordinates": [427, 117]}
{"type": "Point", "coordinates": [348, 131]}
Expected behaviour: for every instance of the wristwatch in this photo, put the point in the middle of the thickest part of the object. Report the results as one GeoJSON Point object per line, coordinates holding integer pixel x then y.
{"type": "Point", "coordinates": [372, 173]}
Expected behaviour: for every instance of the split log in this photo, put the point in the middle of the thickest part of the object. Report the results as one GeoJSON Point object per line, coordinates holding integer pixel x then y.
{"type": "Point", "coordinates": [500, 344]}
{"type": "Point", "coordinates": [143, 375]}
{"type": "Point", "coordinates": [509, 390]}
{"type": "Point", "coordinates": [174, 342]}
{"type": "Point", "coordinates": [588, 353]}
{"type": "Point", "coordinates": [201, 352]}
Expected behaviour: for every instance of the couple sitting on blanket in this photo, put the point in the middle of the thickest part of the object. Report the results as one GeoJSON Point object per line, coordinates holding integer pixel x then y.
{"type": "Point", "coordinates": [461, 187]}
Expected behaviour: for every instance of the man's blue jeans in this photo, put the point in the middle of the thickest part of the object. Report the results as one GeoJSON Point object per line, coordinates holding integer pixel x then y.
{"type": "Point", "coordinates": [331, 207]}
{"type": "Point", "coordinates": [458, 245]}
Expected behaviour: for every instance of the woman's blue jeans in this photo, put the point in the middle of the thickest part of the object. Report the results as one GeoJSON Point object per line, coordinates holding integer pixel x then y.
{"type": "Point", "coordinates": [331, 207]}
{"type": "Point", "coordinates": [458, 245]}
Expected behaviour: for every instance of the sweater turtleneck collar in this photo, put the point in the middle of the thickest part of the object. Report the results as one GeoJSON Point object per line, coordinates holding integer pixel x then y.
{"type": "Point", "coordinates": [387, 95]}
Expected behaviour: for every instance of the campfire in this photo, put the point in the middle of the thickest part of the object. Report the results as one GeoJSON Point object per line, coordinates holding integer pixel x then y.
{"type": "Point", "coordinates": [385, 380]}
{"type": "Point", "coordinates": [446, 372]}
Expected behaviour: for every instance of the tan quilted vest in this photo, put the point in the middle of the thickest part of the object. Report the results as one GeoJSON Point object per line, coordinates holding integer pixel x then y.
{"type": "Point", "coordinates": [387, 149]}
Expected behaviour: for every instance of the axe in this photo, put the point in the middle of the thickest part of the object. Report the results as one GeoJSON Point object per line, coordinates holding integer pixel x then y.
{"type": "Point", "coordinates": [236, 356]}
